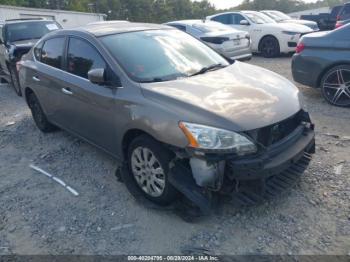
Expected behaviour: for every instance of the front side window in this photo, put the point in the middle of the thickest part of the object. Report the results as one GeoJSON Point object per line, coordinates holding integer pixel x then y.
{"type": "Point", "coordinates": [208, 27]}
{"type": "Point", "coordinates": [52, 52]}
{"type": "Point", "coordinates": [170, 54]}
{"type": "Point", "coordinates": [82, 57]}
{"type": "Point", "coordinates": [29, 30]}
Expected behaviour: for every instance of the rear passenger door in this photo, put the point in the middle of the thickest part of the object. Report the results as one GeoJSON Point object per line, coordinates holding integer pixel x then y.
{"type": "Point", "coordinates": [2, 51]}
{"type": "Point", "coordinates": [87, 109]}
{"type": "Point", "coordinates": [46, 78]}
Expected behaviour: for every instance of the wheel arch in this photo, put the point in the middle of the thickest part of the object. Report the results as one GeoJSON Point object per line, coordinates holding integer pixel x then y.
{"type": "Point", "coordinates": [27, 92]}
{"type": "Point", "coordinates": [326, 69]}
{"type": "Point", "coordinates": [268, 35]}
{"type": "Point", "coordinates": [129, 136]}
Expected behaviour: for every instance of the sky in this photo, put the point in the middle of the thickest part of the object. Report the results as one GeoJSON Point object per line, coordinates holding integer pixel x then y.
{"type": "Point", "coordinates": [222, 4]}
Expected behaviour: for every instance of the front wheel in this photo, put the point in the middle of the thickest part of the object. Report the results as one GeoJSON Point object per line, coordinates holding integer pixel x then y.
{"type": "Point", "coordinates": [149, 166]}
{"type": "Point", "coordinates": [269, 47]}
{"type": "Point", "coordinates": [15, 82]}
{"type": "Point", "coordinates": [335, 86]}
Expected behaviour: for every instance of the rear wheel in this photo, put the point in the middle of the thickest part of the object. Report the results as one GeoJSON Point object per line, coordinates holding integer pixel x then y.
{"type": "Point", "coordinates": [335, 86]}
{"type": "Point", "coordinates": [39, 116]}
{"type": "Point", "coordinates": [15, 81]}
{"type": "Point", "coordinates": [269, 47]}
{"type": "Point", "coordinates": [149, 166]}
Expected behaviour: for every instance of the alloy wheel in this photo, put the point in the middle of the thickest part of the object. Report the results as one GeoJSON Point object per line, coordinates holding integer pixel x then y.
{"type": "Point", "coordinates": [147, 171]}
{"type": "Point", "coordinates": [336, 87]}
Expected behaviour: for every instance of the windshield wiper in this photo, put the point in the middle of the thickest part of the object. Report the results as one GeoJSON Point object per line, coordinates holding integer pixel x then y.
{"type": "Point", "coordinates": [153, 80]}
{"type": "Point", "coordinates": [208, 68]}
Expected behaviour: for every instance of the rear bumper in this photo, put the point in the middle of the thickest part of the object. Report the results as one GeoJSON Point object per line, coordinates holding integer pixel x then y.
{"type": "Point", "coordinates": [305, 71]}
{"type": "Point", "coordinates": [239, 54]}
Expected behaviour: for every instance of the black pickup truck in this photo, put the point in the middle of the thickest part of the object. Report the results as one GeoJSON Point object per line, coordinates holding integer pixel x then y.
{"type": "Point", "coordinates": [17, 37]}
{"type": "Point", "coordinates": [325, 21]}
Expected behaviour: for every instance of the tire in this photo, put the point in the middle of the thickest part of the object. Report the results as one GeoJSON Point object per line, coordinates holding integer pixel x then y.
{"type": "Point", "coordinates": [269, 47]}
{"type": "Point", "coordinates": [39, 116]}
{"type": "Point", "coordinates": [151, 179]}
{"type": "Point", "coordinates": [335, 86]}
{"type": "Point", "coordinates": [14, 81]}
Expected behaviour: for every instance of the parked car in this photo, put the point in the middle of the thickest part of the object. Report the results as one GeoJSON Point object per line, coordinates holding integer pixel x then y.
{"type": "Point", "coordinates": [322, 61]}
{"type": "Point", "coordinates": [325, 21]}
{"type": "Point", "coordinates": [17, 37]}
{"type": "Point", "coordinates": [178, 115]}
{"type": "Point", "coordinates": [224, 39]}
{"type": "Point", "coordinates": [342, 23]}
{"type": "Point", "coordinates": [268, 37]}
{"type": "Point", "coordinates": [280, 17]}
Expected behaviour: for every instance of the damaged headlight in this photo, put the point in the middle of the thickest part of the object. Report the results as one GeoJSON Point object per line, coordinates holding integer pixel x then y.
{"type": "Point", "coordinates": [211, 138]}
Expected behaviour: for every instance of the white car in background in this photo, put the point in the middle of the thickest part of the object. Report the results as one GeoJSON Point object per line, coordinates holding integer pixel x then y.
{"type": "Point", "coordinates": [281, 17]}
{"type": "Point", "coordinates": [268, 37]}
{"type": "Point", "coordinates": [224, 39]}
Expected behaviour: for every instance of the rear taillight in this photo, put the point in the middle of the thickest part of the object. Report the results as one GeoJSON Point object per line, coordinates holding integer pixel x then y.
{"type": "Point", "coordinates": [300, 48]}
{"type": "Point", "coordinates": [338, 24]}
{"type": "Point", "coordinates": [215, 40]}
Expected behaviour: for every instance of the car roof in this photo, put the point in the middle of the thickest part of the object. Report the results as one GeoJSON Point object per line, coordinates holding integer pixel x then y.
{"type": "Point", "coordinates": [191, 22]}
{"type": "Point", "coordinates": [102, 29]}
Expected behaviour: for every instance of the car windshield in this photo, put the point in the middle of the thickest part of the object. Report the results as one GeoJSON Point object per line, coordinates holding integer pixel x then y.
{"type": "Point", "coordinates": [278, 16]}
{"type": "Point", "coordinates": [161, 55]}
{"type": "Point", "coordinates": [29, 30]}
{"type": "Point", "coordinates": [259, 18]}
{"type": "Point", "coordinates": [208, 27]}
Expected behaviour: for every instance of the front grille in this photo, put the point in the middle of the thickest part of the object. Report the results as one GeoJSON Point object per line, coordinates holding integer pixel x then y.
{"type": "Point", "coordinates": [269, 135]}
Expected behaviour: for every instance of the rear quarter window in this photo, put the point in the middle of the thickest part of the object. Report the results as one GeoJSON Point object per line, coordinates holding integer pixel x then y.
{"type": "Point", "coordinates": [224, 19]}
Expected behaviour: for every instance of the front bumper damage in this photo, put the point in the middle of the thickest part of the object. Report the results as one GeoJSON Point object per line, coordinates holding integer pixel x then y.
{"type": "Point", "coordinates": [249, 179]}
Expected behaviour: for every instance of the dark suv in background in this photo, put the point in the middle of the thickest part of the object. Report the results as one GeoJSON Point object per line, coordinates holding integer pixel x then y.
{"type": "Point", "coordinates": [17, 37]}
{"type": "Point", "coordinates": [344, 13]}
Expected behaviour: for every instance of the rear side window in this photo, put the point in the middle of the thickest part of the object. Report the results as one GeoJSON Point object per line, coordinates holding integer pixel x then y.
{"type": "Point", "coordinates": [37, 50]}
{"type": "Point", "coordinates": [1, 37]}
{"type": "Point", "coordinates": [82, 57]}
{"type": "Point", "coordinates": [52, 52]}
{"type": "Point", "coordinates": [180, 27]}
{"type": "Point", "coordinates": [237, 18]}
{"type": "Point", "coordinates": [224, 19]}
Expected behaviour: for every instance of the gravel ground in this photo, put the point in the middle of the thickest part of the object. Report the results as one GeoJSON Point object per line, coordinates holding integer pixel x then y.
{"type": "Point", "coordinates": [37, 216]}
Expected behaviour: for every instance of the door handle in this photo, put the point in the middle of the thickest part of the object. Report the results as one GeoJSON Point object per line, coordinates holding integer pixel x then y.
{"type": "Point", "coordinates": [35, 78]}
{"type": "Point", "coordinates": [67, 91]}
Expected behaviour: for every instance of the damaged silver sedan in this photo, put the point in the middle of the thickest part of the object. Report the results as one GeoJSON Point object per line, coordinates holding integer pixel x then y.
{"type": "Point", "coordinates": [183, 120]}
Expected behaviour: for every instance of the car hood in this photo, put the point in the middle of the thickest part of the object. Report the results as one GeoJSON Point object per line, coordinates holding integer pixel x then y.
{"type": "Point", "coordinates": [291, 27]}
{"type": "Point", "coordinates": [301, 22]}
{"type": "Point", "coordinates": [239, 97]}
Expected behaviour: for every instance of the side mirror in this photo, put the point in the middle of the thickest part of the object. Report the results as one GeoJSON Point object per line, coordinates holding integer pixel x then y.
{"type": "Point", "coordinates": [244, 22]}
{"type": "Point", "coordinates": [97, 76]}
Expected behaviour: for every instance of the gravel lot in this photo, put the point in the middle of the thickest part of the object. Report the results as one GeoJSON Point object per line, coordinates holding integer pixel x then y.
{"type": "Point", "coordinates": [37, 216]}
